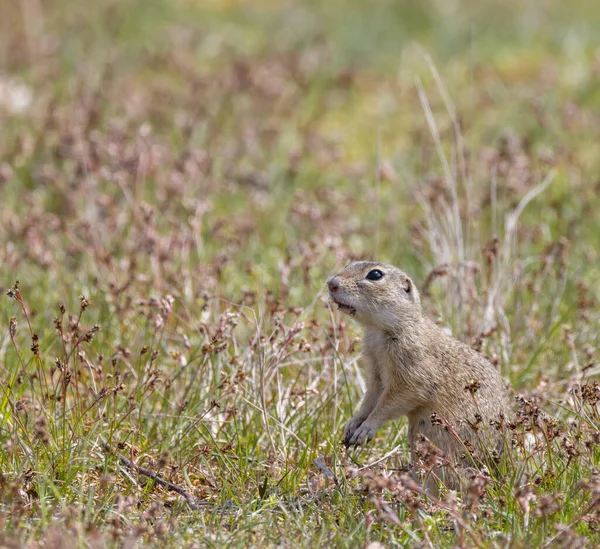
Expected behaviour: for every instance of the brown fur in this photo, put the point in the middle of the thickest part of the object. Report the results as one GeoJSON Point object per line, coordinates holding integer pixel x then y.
{"type": "Point", "coordinates": [414, 368]}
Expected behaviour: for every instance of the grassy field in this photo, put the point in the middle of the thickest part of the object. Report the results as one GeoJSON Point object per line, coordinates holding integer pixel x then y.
{"type": "Point", "coordinates": [177, 181]}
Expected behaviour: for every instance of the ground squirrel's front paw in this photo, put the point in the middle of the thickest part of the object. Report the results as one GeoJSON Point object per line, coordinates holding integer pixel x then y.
{"type": "Point", "coordinates": [364, 433]}
{"type": "Point", "coordinates": [353, 424]}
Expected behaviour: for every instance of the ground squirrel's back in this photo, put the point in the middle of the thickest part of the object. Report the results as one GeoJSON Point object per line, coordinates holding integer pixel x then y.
{"type": "Point", "coordinates": [451, 394]}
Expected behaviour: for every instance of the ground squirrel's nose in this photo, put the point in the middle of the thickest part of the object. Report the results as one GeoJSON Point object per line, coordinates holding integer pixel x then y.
{"type": "Point", "coordinates": [333, 284]}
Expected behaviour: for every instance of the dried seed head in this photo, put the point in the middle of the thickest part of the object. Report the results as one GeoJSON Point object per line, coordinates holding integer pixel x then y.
{"type": "Point", "coordinates": [590, 393]}
{"type": "Point", "coordinates": [21, 405]}
{"type": "Point", "coordinates": [435, 419]}
{"type": "Point", "coordinates": [13, 326]}
{"type": "Point", "coordinates": [473, 386]}
{"type": "Point", "coordinates": [490, 251]}
{"type": "Point", "coordinates": [90, 333]}
{"type": "Point", "coordinates": [84, 303]}
{"type": "Point", "coordinates": [549, 504]}
{"type": "Point", "coordinates": [14, 293]}
{"type": "Point", "coordinates": [40, 430]}
{"type": "Point", "coordinates": [35, 346]}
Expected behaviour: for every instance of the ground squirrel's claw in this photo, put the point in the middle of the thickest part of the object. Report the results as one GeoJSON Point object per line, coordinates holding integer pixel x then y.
{"type": "Point", "coordinates": [353, 424]}
{"type": "Point", "coordinates": [347, 439]}
{"type": "Point", "coordinates": [364, 433]}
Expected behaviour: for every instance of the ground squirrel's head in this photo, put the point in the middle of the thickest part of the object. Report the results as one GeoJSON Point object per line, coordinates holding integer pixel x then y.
{"type": "Point", "coordinates": [375, 294]}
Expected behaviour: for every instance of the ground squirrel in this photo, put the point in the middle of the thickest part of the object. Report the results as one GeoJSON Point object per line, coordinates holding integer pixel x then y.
{"type": "Point", "coordinates": [451, 394]}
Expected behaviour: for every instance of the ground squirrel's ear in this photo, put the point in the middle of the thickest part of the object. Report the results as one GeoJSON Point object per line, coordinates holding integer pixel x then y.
{"type": "Point", "coordinates": [407, 286]}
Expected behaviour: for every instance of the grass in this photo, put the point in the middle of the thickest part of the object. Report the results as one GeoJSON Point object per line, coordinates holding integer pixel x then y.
{"type": "Point", "coordinates": [178, 183]}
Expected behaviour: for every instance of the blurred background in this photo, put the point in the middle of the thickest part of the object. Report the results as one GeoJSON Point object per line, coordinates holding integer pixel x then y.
{"type": "Point", "coordinates": [288, 108]}
{"type": "Point", "coordinates": [197, 169]}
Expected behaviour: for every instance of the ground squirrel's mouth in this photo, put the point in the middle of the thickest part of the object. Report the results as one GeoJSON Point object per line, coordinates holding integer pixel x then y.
{"type": "Point", "coordinates": [344, 307]}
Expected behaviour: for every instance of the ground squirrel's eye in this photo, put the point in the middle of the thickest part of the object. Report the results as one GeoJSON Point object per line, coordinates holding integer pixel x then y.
{"type": "Point", "coordinates": [375, 274]}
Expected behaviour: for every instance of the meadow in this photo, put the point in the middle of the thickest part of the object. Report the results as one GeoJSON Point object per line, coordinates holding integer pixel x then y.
{"type": "Point", "coordinates": [178, 179]}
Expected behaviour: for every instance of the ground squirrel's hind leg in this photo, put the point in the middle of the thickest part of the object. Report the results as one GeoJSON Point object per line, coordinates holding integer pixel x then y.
{"type": "Point", "coordinates": [374, 390]}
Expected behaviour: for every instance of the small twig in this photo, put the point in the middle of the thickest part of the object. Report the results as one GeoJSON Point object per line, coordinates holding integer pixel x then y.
{"type": "Point", "coordinates": [191, 501]}
{"type": "Point", "coordinates": [383, 458]}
